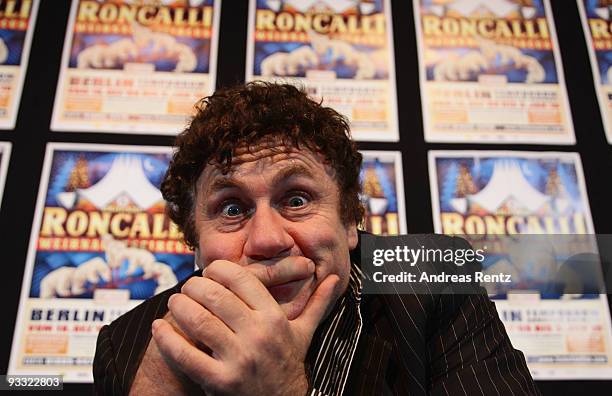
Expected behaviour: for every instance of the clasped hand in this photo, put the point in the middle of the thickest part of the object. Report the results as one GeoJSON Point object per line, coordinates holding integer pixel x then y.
{"type": "Point", "coordinates": [240, 340]}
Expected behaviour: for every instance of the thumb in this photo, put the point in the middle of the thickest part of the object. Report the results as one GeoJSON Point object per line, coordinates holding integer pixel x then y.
{"type": "Point", "coordinates": [319, 302]}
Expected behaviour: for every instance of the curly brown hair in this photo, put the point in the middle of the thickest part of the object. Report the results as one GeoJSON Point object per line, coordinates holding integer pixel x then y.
{"type": "Point", "coordinates": [245, 115]}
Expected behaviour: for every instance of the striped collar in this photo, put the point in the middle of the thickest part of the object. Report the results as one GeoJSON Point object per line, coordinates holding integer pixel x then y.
{"type": "Point", "coordinates": [334, 343]}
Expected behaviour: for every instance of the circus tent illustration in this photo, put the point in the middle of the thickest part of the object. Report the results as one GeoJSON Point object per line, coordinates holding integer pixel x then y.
{"type": "Point", "coordinates": [508, 192]}
{"type": "Point", "coordinates": [124, 187]}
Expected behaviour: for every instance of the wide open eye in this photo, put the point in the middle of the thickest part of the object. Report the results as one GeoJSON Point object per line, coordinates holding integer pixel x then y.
{"type": "Point", "coordinates": [232, 209]}
{"type": "Point", "coordinates": [297, 201]}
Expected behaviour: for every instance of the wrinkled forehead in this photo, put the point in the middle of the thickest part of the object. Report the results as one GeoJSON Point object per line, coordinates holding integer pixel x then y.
{"type": "Point", "coordinates": [267, 158]}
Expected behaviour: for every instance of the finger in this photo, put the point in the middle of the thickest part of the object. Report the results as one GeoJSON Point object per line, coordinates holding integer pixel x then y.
{"type": "Point", "coordinates": [224, 304]}
{"type": "Point", "coordinates": [201, 325]}
{"type": "Point", "coordinates": [318, 304]}
{"type": "Point", "coordinates": [198, 366]}
{"type": "Point", "coordinates": [277, 272]}
{"type": "Point", "coordinates": [242, 282]}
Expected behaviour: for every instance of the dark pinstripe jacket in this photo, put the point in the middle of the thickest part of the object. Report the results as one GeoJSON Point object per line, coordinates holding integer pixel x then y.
{"type": "Point", "coordinates": [439, 344]}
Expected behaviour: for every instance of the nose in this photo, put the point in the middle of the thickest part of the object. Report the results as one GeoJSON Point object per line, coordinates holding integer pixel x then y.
{"type": "Point", "coordinates": [267, 236]}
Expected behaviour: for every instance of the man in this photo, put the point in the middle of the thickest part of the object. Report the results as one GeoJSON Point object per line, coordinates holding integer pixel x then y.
{"type": "Point", "coordinates": [264, 185]}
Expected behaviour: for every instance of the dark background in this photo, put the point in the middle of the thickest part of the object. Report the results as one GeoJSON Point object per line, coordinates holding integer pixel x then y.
{"type": "Point", "coordinates": [32, 133]}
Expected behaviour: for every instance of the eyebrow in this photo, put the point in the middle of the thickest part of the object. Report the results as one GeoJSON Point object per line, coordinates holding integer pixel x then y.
{"type": "Point", "coordinates": [294, 170]}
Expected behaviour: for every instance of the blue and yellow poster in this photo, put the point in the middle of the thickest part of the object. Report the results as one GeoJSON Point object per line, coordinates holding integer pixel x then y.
{"type": "Point", "coordinates": [340, 51]}
{"type": "Point", "coordinates": [17, 21]}
{"type": "Point", "coordinates": [136, 67]}
{"type": "Point", "coordinates": [530, 212]}
{"type": "Point", "coordinates": [491, 72]}
{"type": "Point", "coordinates": [100, 244]}
{"type": "Point", "coordinates": [383, 193]}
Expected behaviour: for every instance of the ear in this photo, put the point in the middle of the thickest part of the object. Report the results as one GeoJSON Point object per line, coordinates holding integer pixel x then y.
{"type": "Point", "coordinates": [351, 235]}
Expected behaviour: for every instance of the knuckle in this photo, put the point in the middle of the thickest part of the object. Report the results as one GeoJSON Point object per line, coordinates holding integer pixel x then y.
{"type": "Point", "coordinates": [199, 321]}
{"type": "Point", "coordinates": [228, 382]}
{"type": "Point", "coordinates": [269, 273]}
{"type": "Point", "coordinates": [181, 357]}
{"type": "Point", "coordinates": [247, 362]}
{"type": "Point", "coordinates": [242, 276]}
{"type": "Point", "coordinates": [215, 296]}
{"type": "Point", "coordinates": [276, 321]}
{"type": "Point", "coordinates": [259, 340]}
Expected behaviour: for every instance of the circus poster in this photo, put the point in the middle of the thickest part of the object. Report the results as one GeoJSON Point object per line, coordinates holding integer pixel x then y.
{"type": "Point", "coordinates": [496, 198]}
{"type": "Point", "coordinates": [338, 51]}
{"type": "Point", "coordinates": [491, 72]}
{"type": "Point", "coordinates": [100, 244]}
{"type": "Point", "coordinates": [135, 67]}
{"type": "Point", "coordinates": [383, 193]}
{"type": "Point", "coordinates": [17, 21]}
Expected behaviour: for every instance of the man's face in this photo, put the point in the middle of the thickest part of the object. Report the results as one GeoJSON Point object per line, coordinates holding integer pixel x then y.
{"type": "Point", "coordinates": [273, 206]}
